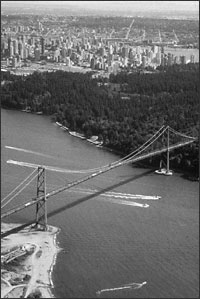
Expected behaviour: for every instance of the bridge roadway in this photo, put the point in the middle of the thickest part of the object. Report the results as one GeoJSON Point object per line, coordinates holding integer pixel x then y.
{"type": "Point", "coordinates": [105, 169]}
{"type": "Point", "coordinates": [129, 29]}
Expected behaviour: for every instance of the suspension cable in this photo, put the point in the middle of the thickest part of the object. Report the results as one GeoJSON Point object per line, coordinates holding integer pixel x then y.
{"type": "Point", "coordinates": [72, 184]}
{"type": "Point", "coordinates": [18, 185]}
{"type": "Point", "coordinates": [181, 134]}
{"type": "Point", "coordinates": [133, 153]}
{"type": "Point", "coordinates": [129, 156]}
{"type": "Point", "coordinates": [20, 190]}
{"type": "Point", "coordinates": [127, 161]}
{"type": "Point", "coordinates": [112, 166]}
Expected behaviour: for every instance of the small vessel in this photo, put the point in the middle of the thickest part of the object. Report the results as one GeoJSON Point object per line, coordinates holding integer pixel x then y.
{"type": "Point", "coordinates": [75, 134]}
{"type": "Point", "coordinates": [64, 128]}
{"type": "Point", "coordinates": [27, 110]}
{"type": "Point", "coordinates": [164, 171]}
{"type": "Point", "coordinates": [94, 140]}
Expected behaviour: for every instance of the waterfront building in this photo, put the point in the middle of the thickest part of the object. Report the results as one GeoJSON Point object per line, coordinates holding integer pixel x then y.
{"type": "Point", "coordinates": [144, 61]}
{"type": "Point", "coordinates": [68, 61]}
{"type": "Point", "coordinates": [139, 58]}
{"type": "Point", "coordinates": [110, 58]}
{"type": "Point", "coordinates": [130, 54]}
{"type": "Point", "coordinates": [151, 55]}
{"type": "Point", "coordinates": [192, 58]}
{"type": "Point", "coordinates": [39, 26]}
{"type": "Point", "coordinates": [37, 54]}
{"type": "Point", "coordinates": [169, 59]}
{"type": "Point", "coordinates": [56, 54]}
{"type": "Point", "coordinates": [158, 58]}
{"type": "Point", "coordinates": [4, 46]}
{"type": "Point", "coordinates": [125, 52]}
{"type": "Point", "coordinates": [111, 49]}
{"type": "Point", "coordinates": [63, 52]}
{"type": "Point", "coordinates": [23, 38]}
{"type": "Point", "coordinates": [176, 59]}
{"type": "Point", "coordinates": [20, 48]}
{"type": "Point", "coordinates": [162, 59]}
{"type": "Point", "coordinates": [15, 46]}
{"type": "Point", "coordinates": [165, 60]}
{"type": "Point", "coordinates": [9, 45]}
{"type": "Point", "coordinates": [102, 51]}
{"type": "Point", "coordinates": [42, 45]}
{"type": "Point", "coordinates": [183, 59]}
{"type": "Point", "coordinates": [25, 53]}
{"type": "Point", "coordinates": [20, 28]}
{"type": "Point", "coordinates": [15, 29]}
{"type": "Point", "coordinates": [115, 67]}
{"type": "Point", "coordinates": [33, 40]}
{"type": "Point", "coordinates": [110, 69]}
{"type": "Point", "coordinates": [138, 49]}
{"type": "Point", "coordinates": [69, 52]}
{"type": "Point", "coordinates": [115, 48]}
{"type": "Point", "coordinates": [162, 49]}
{"type": "Point", "coordinates": [155, 49]}
{"type": "Point", "coordinates": [14, 61]}
{"type": "Point", "coordinates": [11, 50]}
{"type": "Point", "coordinates": [92, 63]}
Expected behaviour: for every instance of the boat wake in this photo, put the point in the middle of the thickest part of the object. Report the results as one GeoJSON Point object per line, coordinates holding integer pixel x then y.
{"type": "Point", "coordinates": [115, 197]}
{"type": "Point", "coordinates": [118, 194]}
{"type": "Point", "coordinates": [127, 202]}
{"type": "Point", "coordinates": [27, 151]}
{"type": "Point", "coordinates": [133, 286]}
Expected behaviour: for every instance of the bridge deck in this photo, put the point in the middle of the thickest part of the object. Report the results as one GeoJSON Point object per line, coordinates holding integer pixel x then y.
{"type": "Point", "coordinates": [103, 170]}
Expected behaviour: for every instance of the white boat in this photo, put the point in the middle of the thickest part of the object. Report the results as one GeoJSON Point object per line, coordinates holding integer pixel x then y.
{"type": "Point", "coordinates": [75, 134]}
{"type": "Point", "coordinates": [59, 124]}
{"type": "Point", "coordinates": [164, 171]}
{"type": "Point", "coordinates": [64, 128]}
{"type": "Point", "coordinates": [92, 139]}
{"type": "Point", "coordinates": [27, 110]}
{"type": "Point", "coordinates": [95, 141]}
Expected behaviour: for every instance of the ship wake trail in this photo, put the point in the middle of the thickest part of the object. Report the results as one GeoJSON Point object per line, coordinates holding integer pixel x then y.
{"type": "Point", "coordinates": [27, 151]}
{"type": "Point", "coordinates": [133, 286]}
{"type": "Point", "coordinates": [120, 198]}
{"type": "Point", "coordinates": [117, 194]}
{"type": "Point", "coordinates": [127, 202]}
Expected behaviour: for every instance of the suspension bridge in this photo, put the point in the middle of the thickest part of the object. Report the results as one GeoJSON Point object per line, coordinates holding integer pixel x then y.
{"type": "Point", "coordinates": [40, 201]}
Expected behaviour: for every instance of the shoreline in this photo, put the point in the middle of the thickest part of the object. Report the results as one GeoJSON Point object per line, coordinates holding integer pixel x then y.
{"type": "Point", "coordinates": [27, 261]}
{"type": "Point", "coordinates": [190, 175]}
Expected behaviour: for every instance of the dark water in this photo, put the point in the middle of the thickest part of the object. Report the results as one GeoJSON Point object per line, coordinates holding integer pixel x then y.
{"type": "Point", "coordinates": [106, 242]}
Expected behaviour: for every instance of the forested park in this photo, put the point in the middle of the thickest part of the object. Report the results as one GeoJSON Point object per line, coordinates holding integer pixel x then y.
{"type": "Point", "coordinates": [169, 96]}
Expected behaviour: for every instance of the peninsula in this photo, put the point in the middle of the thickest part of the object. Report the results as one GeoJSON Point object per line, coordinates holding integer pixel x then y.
{"type": "Point", "coordinates": [27, 260]}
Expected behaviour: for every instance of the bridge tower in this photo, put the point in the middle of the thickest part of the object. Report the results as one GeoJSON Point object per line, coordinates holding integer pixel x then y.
{"type": "Point", "coordinates": [41, 207]}
{"type": "Point", "coordinates": [167, 148]}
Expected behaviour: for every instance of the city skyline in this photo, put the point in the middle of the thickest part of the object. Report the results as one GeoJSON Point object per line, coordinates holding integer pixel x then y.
{"type": "Point", "coordinates": [132, 6]}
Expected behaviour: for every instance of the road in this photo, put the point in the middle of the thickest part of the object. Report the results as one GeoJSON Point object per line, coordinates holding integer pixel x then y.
{"type": "Point", "coordinates": [129, 29]}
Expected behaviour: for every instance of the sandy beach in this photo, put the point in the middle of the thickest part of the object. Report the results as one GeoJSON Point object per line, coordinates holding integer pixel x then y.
{"type": "Point", "coordinates": [27, 260]}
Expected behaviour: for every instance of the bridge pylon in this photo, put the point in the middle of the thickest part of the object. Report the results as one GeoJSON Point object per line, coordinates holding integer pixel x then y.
{"type": "Point", "coordinates": [41, 207]}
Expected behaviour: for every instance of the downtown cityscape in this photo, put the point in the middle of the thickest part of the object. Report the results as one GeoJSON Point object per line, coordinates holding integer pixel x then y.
{"type": "Point", "coordinates": [59, 42]}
